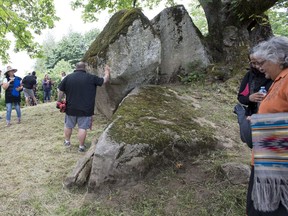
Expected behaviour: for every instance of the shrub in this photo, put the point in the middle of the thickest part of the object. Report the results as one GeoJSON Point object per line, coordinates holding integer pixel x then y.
{"type": "Point", "coordinates": [2, 104]}
{"type": "Point", "coordinates": [195, 73]}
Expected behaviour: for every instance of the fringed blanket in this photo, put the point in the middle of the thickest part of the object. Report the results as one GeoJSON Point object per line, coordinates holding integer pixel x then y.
{"type": "Point", "coordinates": [270, 146]}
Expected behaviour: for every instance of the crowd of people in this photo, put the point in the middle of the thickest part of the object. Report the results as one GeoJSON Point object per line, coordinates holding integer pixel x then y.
{"type": "Point", "coordinates": [76, 97]}
{"type": "Point", "coordinates": [268, 69]}
{"type": "Point", "coordinates": [13, 86]}
{"type": "Point", "coordinates": [268, 185]}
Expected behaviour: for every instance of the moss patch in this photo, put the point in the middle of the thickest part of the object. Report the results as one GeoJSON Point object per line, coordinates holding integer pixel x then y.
{"type": "Point", "coordinates": [118, 25]}
{"type": "Point", "coordinates": [156, 116]}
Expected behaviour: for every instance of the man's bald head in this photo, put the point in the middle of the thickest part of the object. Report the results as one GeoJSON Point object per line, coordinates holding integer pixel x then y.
{"type": "Point", "coordinates": [81, 66]}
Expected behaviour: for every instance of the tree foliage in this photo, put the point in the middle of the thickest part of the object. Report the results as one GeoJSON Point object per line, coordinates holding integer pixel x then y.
{"type": "Point", "coordinates": [278, 16]}
{"type": "Point", "coordinates": [92, 8]}
{"type": "Point", "coordinates": [279, 22]}
{"type": "Point", "coordinates": [70, 49]}
{"type": "Point", "coordinates": [198, 16]}
{"type": "Point", "coordinates": [61, 66]}
{"type": "Point", "coordinates": [248, 17]}
{"type": "Point", "coordinates": [22, 19]}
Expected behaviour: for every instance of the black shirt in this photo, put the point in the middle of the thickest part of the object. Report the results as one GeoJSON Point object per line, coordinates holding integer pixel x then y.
{"type": "Point", "coordinates": [251, 84]}
{"type": "Point", "coordinates": [80, 89]}
{"type": "Point", "coordinates": [29, 81]}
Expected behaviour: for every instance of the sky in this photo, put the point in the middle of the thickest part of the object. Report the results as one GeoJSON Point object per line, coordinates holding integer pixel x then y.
{"type": "Point", "coordinates": [69, 20]}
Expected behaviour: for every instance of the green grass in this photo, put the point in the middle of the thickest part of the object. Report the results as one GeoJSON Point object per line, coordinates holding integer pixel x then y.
{"type": "Point", "coordinates": [34, 164]}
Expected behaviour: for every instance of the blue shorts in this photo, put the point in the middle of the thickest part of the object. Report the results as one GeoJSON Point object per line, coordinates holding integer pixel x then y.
{"type": "Point", "coordinates": [83, 122]}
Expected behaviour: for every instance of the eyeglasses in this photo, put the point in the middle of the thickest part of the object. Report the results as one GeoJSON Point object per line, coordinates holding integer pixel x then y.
{"type": "Point", "coordinates": [257, 64]}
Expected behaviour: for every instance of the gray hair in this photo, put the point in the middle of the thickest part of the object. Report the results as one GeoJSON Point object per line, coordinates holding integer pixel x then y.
{"type": "Point", "coordinates": [274, 50]}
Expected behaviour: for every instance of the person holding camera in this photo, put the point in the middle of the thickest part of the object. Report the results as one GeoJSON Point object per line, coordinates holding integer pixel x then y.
{"type": "Point", "coordinates": [80, 90]}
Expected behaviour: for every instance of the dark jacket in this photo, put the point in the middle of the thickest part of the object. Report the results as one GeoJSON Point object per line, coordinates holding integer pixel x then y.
{"type": "Point", "coordinates": [250, 84]}
{"type": "Point", "coordinates": [9, 98]}
{"type": "Point", "coordinates": [29, 81]}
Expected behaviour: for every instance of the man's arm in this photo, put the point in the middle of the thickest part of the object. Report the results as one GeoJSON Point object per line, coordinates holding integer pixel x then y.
{"type": "Point", "coordinates": [60, 95]}
{"type": "Point", "coordinates": [107, 74]}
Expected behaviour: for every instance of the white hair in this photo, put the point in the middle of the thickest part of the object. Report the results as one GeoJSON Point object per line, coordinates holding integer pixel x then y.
{"type": "Point", "coordinates": [275, 50]}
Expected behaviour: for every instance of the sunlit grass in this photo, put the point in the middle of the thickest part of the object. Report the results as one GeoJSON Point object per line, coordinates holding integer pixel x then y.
{"type": "Point", "coordinates": [34, 164]}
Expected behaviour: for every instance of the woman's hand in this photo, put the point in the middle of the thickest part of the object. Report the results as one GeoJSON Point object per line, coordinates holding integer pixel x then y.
{"type": "Point", "coordinates": [256, 97]}
{"type": "Point", "coordinates": [19, 88]}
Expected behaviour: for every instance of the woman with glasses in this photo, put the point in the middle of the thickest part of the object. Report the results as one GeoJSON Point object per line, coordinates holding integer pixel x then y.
{"type": "Point", "coordinates": [268, 185]}
{"type": "Point", "coordinates": [249, 98]}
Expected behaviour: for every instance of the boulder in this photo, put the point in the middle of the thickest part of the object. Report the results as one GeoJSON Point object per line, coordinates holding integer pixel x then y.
{"type": "Point", "coordinates": [131, 47]}
{"type": "Point", "coordinates": [152, 127]}
{"type": "Point", "coordinates": [236, 173]}
{"type": "Point", "coordinates": [182, 51]}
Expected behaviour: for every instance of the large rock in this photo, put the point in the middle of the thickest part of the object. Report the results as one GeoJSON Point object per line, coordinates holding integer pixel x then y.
{"type": "Point", "coordinates": [152, 126]}
{"type": "Point", "coordinates": [182, 51]}
{"type": "Point", "coordinates": [236, 173]}
{"type": "Point", "coordinates": [130, 46]}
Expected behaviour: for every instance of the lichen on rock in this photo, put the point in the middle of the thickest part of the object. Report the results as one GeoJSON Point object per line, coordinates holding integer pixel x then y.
{"type": "Point", "coordinates": [155, 115]}
{"type": "Point", "coordinates": [118, 25]}
{"type": "Point", "coordinates": [151, 127]}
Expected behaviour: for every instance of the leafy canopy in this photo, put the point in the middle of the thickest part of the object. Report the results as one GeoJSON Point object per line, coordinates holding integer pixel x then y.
{"type": "Point", "coordinates": [70, 49]}
{"type": "Point", "coordinates": [92, 8]}
{"type": "Point", "coordinates": [21, 19]}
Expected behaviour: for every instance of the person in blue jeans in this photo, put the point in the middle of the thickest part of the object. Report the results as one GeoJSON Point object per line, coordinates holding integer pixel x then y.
{"type": "Point", "coordinates": [12, 86]}
{"type": "Point", "coordinates": [47, 87]}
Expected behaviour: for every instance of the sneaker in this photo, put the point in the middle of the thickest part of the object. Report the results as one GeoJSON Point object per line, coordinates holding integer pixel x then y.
{"type": "Point", "coordinates": [67, 144]}
{"type": "Point", "coordinates": [82, 149]}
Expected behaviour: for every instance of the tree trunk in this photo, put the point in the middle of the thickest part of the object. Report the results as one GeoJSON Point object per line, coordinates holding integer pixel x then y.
{"type": "Point", "coordinates": [234, 24]}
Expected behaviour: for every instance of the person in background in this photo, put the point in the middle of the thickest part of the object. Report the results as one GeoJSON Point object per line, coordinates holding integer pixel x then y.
{"type": "Point", "coordinates": [28, 83]}
{"type": "Point", "coordinates": [47, 87]}
{"type": "Point", "coordinates": [80, 90]}
{"type": "Point", "coordinates": [12, 86]}
{"type": "Point", "coordinates": [249, 98]}
{"type": "Point", "coordinates": [269, 196]}
{"type": "Point", "coordinates": [35, 86]}
{"type": "Point", "coordinates": [1, 81]}
{"type": "Point", "coordinates": [63, 75]}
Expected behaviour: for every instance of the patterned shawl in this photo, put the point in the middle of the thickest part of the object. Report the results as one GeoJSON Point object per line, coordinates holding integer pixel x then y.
{"type": "Point", "coordinates": [270, 146]}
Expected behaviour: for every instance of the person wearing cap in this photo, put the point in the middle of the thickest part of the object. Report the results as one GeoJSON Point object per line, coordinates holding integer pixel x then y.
{"type": "Point", "coordinates": [80, 90]}
{"type": "Point", "coordinates": [12, 86]}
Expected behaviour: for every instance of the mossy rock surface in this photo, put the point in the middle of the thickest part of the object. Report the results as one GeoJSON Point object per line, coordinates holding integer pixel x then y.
{"type": "Point", "coordinates": [117, 25]}
{"type": "Point", "coordinates": [156, 115]}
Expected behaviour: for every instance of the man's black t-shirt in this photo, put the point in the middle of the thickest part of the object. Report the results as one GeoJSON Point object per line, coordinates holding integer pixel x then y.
{"type": "Point", "coordinates": [29, 81]}
{"type": "Point", "coordinates": [80, 89]}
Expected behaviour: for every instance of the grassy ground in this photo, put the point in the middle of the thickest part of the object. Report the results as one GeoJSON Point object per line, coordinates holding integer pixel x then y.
{"type": "Point", "coordinates": [34, 164]}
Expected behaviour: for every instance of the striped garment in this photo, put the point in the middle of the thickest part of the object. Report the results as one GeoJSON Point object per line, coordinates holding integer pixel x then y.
{"type": "Point", "coordinates": [270, 147]}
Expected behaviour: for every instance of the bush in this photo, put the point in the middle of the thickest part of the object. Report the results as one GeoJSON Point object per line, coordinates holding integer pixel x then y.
{"type": "Point", "coordinates": [2, 104]}
{"type": "Point", "coordinates": [195, 73]}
